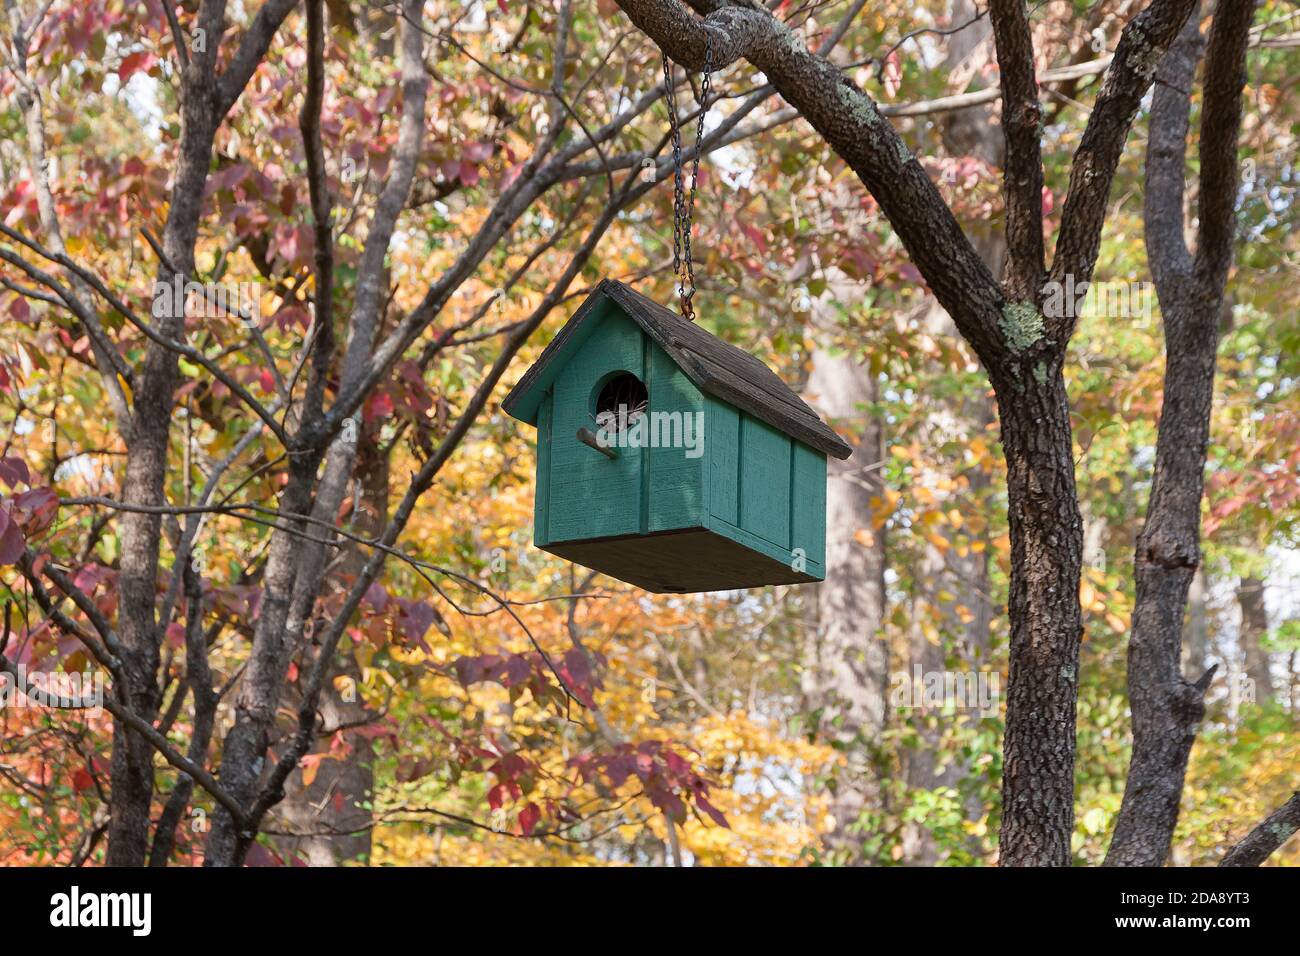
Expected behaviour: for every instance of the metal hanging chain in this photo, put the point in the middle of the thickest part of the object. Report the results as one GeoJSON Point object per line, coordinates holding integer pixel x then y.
{"type": "Point", "coordinates": [684, 205]}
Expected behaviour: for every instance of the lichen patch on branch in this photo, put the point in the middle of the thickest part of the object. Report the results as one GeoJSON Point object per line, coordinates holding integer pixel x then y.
{"type": "Point", "coordinates": [1021, 325]}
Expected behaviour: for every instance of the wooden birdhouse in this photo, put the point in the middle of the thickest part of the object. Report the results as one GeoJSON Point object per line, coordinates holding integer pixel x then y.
{"type": "Point", "coordinates": [670, 459]}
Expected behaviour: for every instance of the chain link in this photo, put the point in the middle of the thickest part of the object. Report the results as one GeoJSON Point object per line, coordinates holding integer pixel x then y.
{"type": "Point", "coordinates": [684, 203]}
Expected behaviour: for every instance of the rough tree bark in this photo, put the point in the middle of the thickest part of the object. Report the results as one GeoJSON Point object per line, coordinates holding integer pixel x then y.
{"type": "Point", "coordinates": [1166, 708]}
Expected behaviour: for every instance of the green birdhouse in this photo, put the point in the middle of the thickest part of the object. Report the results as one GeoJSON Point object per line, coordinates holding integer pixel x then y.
{"type": "Point", "coordinates": [670, 459]}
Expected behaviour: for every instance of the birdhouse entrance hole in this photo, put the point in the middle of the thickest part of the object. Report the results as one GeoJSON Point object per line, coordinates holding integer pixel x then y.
{"type": "Point", "coordinates": [623, 391]}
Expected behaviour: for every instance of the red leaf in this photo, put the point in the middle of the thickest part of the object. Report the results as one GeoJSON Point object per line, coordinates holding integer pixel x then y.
{"type": "Point", "coordinates": [135, 63]}
{"type": "Point", "coordinates": [12, 542]}
{"type": "Point", "coordinates": [714, 813]}
{"type": "Point", "coordinates": [13, 471]}
{"type": "Point", "coordinates": [36, 508]}
{"type": "Point", "coordinates": [528, 818]}
{"type": "Point", "coordinates": [82, 780]}
{"type": "Point", "coordinates": [676, 764]}
{"type": "Point", "coordinates": [379, 406]}
{"type": "Point", "coordinates": [755, 235]}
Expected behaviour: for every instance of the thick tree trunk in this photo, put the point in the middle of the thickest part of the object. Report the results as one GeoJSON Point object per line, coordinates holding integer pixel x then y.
{"type": "Point", "coordinates": [1046, 556]}
{"type": "Point", "coordinates": [848, 675]}
{"type": "Point", "coordinates": [243, 758]}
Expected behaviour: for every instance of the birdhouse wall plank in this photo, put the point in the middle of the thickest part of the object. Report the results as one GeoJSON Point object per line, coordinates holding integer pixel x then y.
{"type": "Point", "coordinates": [765, 481]}
{"type": "Point", "coordinates": [675, 482]}
{"type": "Point", "coordinates": [808, 504]}
{"type": "Point", "coordinates": [591, 495]}
{"type": "Point", "coordinates": [782, 482]}
{"type": "Point", "coordinates": [722, 426]}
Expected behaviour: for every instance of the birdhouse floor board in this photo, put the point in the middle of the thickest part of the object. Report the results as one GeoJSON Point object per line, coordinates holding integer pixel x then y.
{"type": "Point", "coordinates": [681, 562]}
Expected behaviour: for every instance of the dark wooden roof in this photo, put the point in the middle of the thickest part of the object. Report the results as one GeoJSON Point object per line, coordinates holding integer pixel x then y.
{"type": "Point", "coordinates": [713, 366]}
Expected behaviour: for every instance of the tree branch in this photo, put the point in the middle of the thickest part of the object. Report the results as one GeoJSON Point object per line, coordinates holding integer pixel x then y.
{"type": "Point", "coordinates": [1269, 836]}
{"type": "Point", "coordinates": [1166, 165]}
{"type": "Point", "coordinates": [1225, 79]}
{"type": "Point", "coordinates": [1022, 168]}
{"type": "Point", "coordinates": [322, 345]}
{"type": "Point", "coordinates": [252, 48]}
{"type": "Point", "coordinates": [1141, 46]}
{"type": "Point", "coordinates": [1166, 708]}
{"type": "Point", "coordinates": [852, 124]}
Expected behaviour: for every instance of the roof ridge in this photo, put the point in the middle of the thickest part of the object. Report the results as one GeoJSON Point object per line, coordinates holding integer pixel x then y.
{"type": "Point", "coordinates": [712, 364]}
